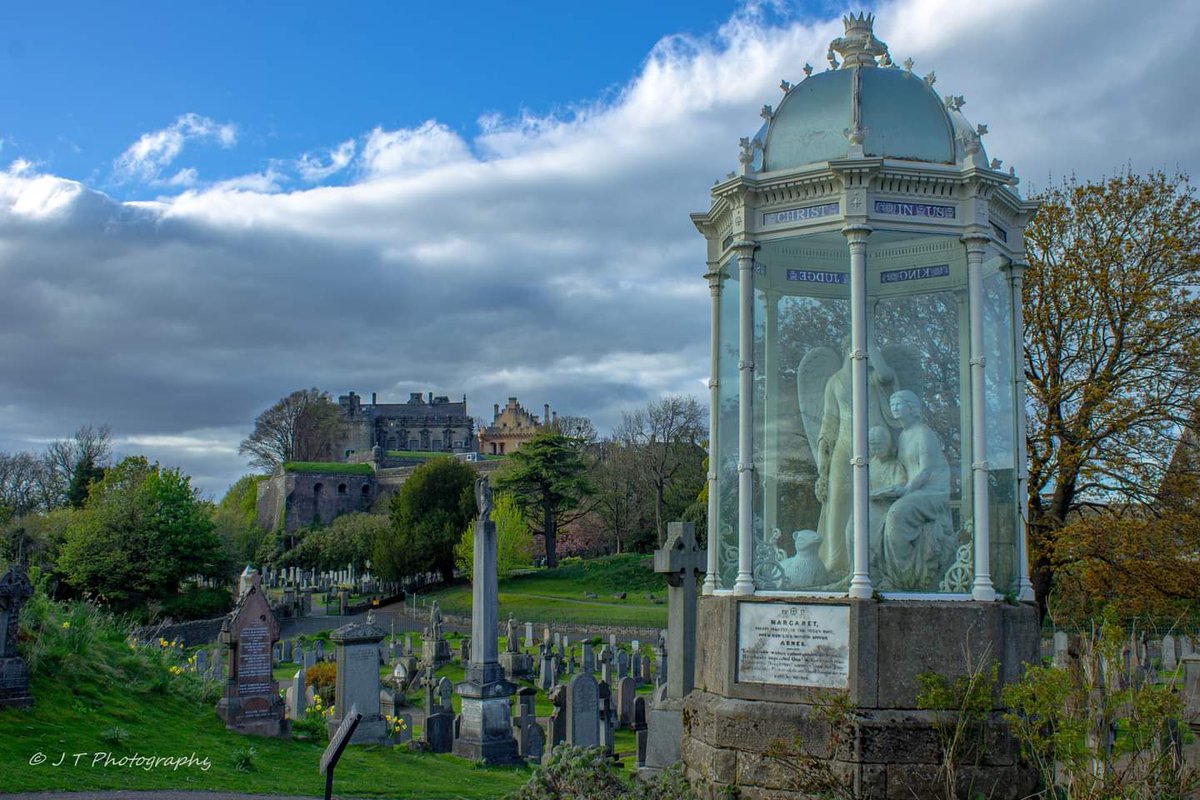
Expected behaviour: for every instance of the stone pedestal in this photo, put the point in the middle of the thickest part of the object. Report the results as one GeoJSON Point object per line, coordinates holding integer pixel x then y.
{"type": "Point", "coordinates": [744, 704]}
{"type": "Point", "coordinates": [516, 665]}
{"type": "Point", "coordinates": [357, 683]}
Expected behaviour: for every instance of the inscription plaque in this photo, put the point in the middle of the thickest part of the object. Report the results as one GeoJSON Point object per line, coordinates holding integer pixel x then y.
{"type": "Point", "coordinates": [254, 661]}
{"type": "Point", "coordinates": [792, 644]}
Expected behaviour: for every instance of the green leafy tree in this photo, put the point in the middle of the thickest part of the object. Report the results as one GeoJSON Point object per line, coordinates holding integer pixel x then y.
{"type": "Point", "coordinates": [428, 514]}
{"type": "Point", "coordinates": [514, 546]}
{"type": "Point", "coordinates": [141, 533]}
{"type": "Point", "coordinates": [236, 520]}
{"type": "Point", "coordinates": [348, 540]}
{"type": "Point", "coordinates": [547, 480]}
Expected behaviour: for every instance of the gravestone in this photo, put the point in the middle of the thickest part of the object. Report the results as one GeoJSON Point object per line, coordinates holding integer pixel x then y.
{"type": "Point", "coordinates": [249, 703]}
{"type": "Point", "coordinates": [216, 669]}
{"type": "Point", "coordinates": [589, 660]}
{"type": "Point", "coordinates": [15, 590]}
{"type": "Point", "coordinates": [287, 649]}
{"type": "Point", "coordinates": [201, 665]}
{"type": "Point", "coordinates": [635, 668]}
{"type": "Point", "coordinates": [531, 739]}
{"type": "Point", "coordinates": [546, 671]}
{"type": "Point", "coordinates": [606, 718]}
{"type": "Point", "coordinates": [1190, 691]}
{"type": "Point", "coordinates": [582, 711]}
{"type": "Point", "coordinates": [319, 655]}
{"type": "Point", "coordinates": [612, 641]}
{"type": "Point", "coordinates": [1185, 646]}
{"type": "Point", "coordinates": [295, 699]}
{"type": "Point", "coordinates": [464, 650]}
{"type": "Point", "coordinates": [486, 730]}
{"type": "Point", "coordinates": [528, 635]}
{"type": "Point", "coordinates": [622, 664]}
{"type": "Point", "coordinates": [1061, 649]}
{"type": "Point", "coordinates": [310, 656]}
{"type": "Point", "coordinates": [357, 682]}
{"type": "Point", "coordinates": [276, 653]}
{"type": "Point", "coordinates": [626, 689]}
{"type": "Point", "coordinates": [558, 718]}
{"type": "Point", "coordinates": [645, 674]}
{"type": "Point", "coordinates": [1169, 658]}
{"type": "Point", "coordinates": [439, 725]}
{"type": "Point", "coordinates": [681, 561]}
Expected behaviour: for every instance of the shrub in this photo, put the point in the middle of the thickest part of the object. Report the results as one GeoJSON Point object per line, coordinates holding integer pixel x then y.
{"type": "Point", "coordinates": [588, 773]}
{"type": "Point", "coordinates": [322, 676]}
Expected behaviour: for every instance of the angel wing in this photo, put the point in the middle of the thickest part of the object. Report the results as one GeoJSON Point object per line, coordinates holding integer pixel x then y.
{"type": "Point", "coordinates": [813, 373]}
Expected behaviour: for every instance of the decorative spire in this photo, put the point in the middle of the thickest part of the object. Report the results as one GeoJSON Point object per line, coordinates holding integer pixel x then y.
{"type": "Point", "coordinates": [859, 47]}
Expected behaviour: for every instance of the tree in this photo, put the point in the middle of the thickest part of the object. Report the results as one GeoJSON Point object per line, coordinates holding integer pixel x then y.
{"type": "Point", "coordinates": [304, 426]}
{"type": "Point", "coordinates": [1112, 360]}
{"type": "Point", "coordinates": [580, 428]}
{"type": "Point", "coordinates": [348, 541]}
{"type": "Point", "coordinates": [428, 515]}
{"type": "Point", "coordinates": [668, 435]}
{"type": "Point", "coordinates": [514, 546]}
{"type": "Point", "coordinates": [141, 533]}
{"type": "Point", "coordinates": [236, 520]}
{"type": "Point", "coordinates": [547, 480]}
{"type": "Point", "coordinates": [621, 500]}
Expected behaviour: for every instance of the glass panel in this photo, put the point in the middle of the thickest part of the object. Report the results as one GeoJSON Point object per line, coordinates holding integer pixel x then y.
{"type": "Point", "coordinates": [802, 407]}
{"type": "Point", "coordinates": [1001, 425]}
{"type": "Point", "coordinates": [727, 432]}
{"type": "Point", "coordinates": [918, 391]}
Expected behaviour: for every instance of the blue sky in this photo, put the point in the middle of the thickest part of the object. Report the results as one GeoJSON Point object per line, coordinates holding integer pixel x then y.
{"type": "Point", "coordinates": [298, 78]}
{"type": "Point", "coordinates": [205, 207]}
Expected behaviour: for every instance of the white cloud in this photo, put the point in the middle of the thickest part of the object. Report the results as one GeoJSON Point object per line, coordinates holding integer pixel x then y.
{"type": "Point", "coordinates": [550, 256]}
{"type": "Point", "coordinates": [314, 167]}
{"type": "Point", "coordinates": [411, 150]}
{"type": "Point", "coordinates": [153, 152]}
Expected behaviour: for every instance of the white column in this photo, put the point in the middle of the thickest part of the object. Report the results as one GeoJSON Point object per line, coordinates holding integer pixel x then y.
{"type": "Point", "coordinates": [1024, 587]}
{"type": "Point", "coordinates": [714, 276]}
{"type": "Point", "coordinates": [981, 588]}
{"type": "Point", "coordinates": [860, 581]}
{"type": "Point", "coordinates": [745, 575]}
{"type": "Point", "coordinates": [770, 416]}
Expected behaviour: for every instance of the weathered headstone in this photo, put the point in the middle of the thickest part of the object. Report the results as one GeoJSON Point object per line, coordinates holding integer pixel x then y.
{"type": "Point", "coordinates": [464, 650]}
{"type": "Point", "coordinates": [287, 649]}
{"type": "Point", "coordinates": [612, 641]}
{"type": "Point", "coordinates": [583, 711]}
{"type": "Point", "coordinates": [606, 718]}
{"type": "Point", "coordinates": [589, 659]}
{"type": "Point", "coordinates": [439, 725]}
{"type": "Point", "coordinates": [1061, 649]}
{"type": "Point", "coordinates": [295, 699]}
{"type": "Point", "coordinates": [15, 590]}
{"type": "Point", "coordinates": [1190, 691]}
{"type": "Point", "coordinates": [357, 682]}
{"type": "Point", "coordinates": [201, 665]}
{"type": "Point", "coordinates": [319, 655]}
{"type": "Point", "coordinates": [635, 668]}
{"type": "Point", "coordinates": [622, 664]}
{"type": "Point", "coordinates": [486, 728]}
{"type": "Point", "coordinates": [558, 718]}
{"type": "Point", "coordinates": [515, 664]}
{"type": "Point", "coordinates": [626, 689]}
{"type": "Point", "coordinates": [310, 656]}
{"type": "Point", "coordinates": [681, 561]}
{"type": "Point", "coordinates": [1169, 658]}
{"type": "Point", "coordinates": [546, 670]}
{"type": "Point", "coordinates": [250, 704]}
{"type": "Point", "coordinates": [531, 740]}
{"type": "Point", "coordinates": [528, 635]}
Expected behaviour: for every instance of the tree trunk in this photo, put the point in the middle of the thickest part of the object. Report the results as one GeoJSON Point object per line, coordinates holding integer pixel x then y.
{"type": "Point", "coordinates": [658, 513]}
{"type": "Point", "coordinates": [548, 522]}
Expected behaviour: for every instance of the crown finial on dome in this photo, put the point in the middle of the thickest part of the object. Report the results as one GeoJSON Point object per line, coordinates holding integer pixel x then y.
{"type": "Point", "coordinates": [859, 47]}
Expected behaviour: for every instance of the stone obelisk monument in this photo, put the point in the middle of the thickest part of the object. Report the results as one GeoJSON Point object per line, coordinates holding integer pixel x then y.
{"type": "Point", "coordinates": [486, 730]}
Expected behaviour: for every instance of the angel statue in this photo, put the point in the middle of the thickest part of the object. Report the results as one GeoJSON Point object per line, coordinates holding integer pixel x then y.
{"type": "Point", "coordinates": [483, 498]}
{"type": "Point", "coordinates": [823, 385]}
{"type": "Point", "coordinates": [918, 535]}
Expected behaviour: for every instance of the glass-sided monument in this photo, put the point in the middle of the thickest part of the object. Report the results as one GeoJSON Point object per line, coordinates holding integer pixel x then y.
{"type": "Point", "coordinates": [866, 480]}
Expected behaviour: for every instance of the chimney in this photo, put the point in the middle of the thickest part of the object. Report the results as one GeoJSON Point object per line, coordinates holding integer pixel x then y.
{"type": "Point", "coordinates": [546, 414]}
{"type": "Point", "coordinates": [431, 398]}
{"type": "Point", "coordinates": [496, 409]}
{"type": "Point", "coordinates": [374, 398]}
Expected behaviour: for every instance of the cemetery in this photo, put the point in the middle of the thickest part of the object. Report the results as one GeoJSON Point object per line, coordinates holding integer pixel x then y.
{"type": "Point", "coordinates": [853, 610]}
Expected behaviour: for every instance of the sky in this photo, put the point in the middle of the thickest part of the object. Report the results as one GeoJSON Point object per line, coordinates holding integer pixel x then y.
{"type": "Point", "coordinates": [204, 207]}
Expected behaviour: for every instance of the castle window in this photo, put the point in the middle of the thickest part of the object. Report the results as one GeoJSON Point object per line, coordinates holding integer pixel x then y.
{"type": "Point", "coordinates": [366, 490]}
{"type": "Point", "coordinates": [341, 488]}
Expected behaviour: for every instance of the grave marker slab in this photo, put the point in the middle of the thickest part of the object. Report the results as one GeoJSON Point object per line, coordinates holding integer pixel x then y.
{"type": "Point", "coordinates": [250, 704]}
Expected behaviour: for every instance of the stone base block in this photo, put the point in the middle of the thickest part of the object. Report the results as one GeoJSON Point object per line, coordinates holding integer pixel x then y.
{"type": "Point", "coordinates": [770, 740]}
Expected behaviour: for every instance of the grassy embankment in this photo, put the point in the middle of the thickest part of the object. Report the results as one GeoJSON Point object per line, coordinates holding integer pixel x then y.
{"type": "Point", "coordinates": [560, 595]}
{"type": "Point", "coordinates": [99, 696]}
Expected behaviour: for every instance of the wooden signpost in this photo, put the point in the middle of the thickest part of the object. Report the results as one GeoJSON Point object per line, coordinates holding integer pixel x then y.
{"type": "Point", "coordinates": [337, 743]}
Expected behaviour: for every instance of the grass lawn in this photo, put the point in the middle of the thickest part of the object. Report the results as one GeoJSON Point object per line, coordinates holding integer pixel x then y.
{"type": "Point", "coordinates": [82, 719]}
{"type": "Point", "coordinates": [559, 595]}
